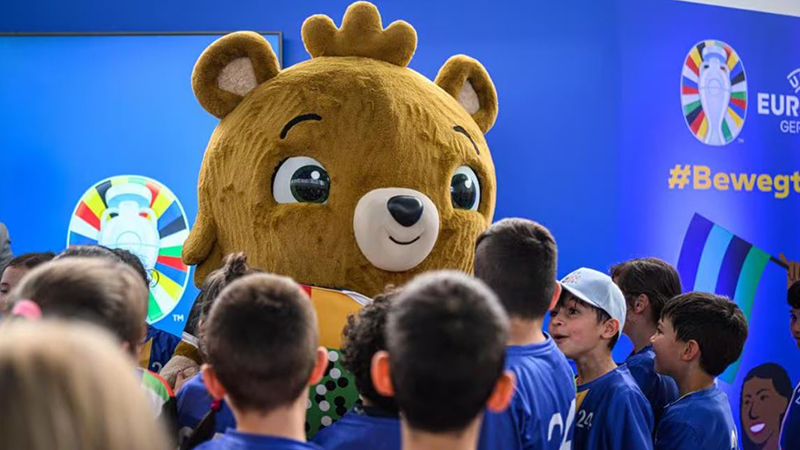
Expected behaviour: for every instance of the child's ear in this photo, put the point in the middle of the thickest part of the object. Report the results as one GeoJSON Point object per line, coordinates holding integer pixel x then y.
{"type": "Point", "coordinates": [381, 374]}
{"type": "Point", "coordinates": [466, 80]}
{"type": "Point", "coordinates": [610, 328]}
{"type": "Point", "coordinates": [556, 296]}
{"type": "Point", "coordinates": [215, 388]}
{"type": "Point", "coordinates": [642, 302]}
{"type": "Point", "coordinates": [319, 366]}
{"type": "Point", "coordinates": [691, 350]}
{"type": "Point", "coordinates": [230, 68]}
{"type": "Point", "coordinates": [502, 393]}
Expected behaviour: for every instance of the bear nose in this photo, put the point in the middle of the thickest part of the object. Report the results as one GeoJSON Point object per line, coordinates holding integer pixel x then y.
{"type": "Point", "coordinates": [405, 209]}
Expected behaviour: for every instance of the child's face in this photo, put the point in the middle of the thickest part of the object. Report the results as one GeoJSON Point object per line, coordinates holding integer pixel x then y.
{"type": "Point", "coordinates": [10, 278]}
{"type": "Point", "coordinates": [667, 348]}
{"type": "Point", "coordinates": [574, 328]}
{"type": "Point", "coordinates": [794, 324]}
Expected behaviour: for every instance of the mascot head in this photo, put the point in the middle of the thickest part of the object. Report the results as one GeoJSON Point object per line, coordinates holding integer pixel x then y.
{"type": "Point", "coordinates": [348, 170]}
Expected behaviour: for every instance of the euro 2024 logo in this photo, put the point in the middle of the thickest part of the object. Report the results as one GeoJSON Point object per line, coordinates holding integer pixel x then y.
{"type": "Point", "coordinates": [714, 92]}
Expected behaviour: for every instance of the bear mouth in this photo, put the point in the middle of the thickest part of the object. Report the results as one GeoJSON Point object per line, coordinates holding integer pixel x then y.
{"type": "Point", "coordinates": [405, 243]}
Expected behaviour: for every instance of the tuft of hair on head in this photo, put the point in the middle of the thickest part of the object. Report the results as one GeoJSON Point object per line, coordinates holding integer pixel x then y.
{"type": "Point", "coordinates": [107, 294]}
{"type": "Point", "coordinates": [793, 295]}
{"type": "Point", "coordinates": [88, 251]}
{"type": "Point", "coordinates": [363, 336]}
{"type": "Point", "coordinates": [234, 266]}
{"type": "Point", "coordinates": [517, 259]}
{"type": "Point", "coordinates": [362, 34]}
{"type": "Point", "coordinates": [715, 322]}
{"type": "Point", "coordinates": [446, 335]}
{"type": "Point", "coordinates": [31, 260]}
{"type": "Point", "coordinates": [261, 339]}
{"type": "Point", "coordinates": [134, 263]}
{"type": "Point", "coordinates": [653, 277]}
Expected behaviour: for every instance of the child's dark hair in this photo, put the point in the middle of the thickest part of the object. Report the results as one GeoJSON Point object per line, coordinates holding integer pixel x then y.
{"type": "Point", "coordinates": [652, 277]}
{"type": "Point", "coordinates": [88, 251]}
{"type": "Point", "coordinates": [364, 335]}
{"type": "Point", "coordinates": [31, 260]}
{"type": "Point", "coordinates": [134, 262]}
{"type": "Point", "coordinates": [110, 295]}
{"type": "Point", "coordinates": [261, 340]}
{"type": "Point", "coordinates": [517, 259]}
{"type": "Point", "coordinates": [446, 335]}
{"type": "Point", "coordinates": [601, 314]}
{"type": "Point", "coordinates": [233, 266]}
{"type": "Point", "coordinates": [793, 295]}
{"type": "Point", "coordinates": [714, 322]}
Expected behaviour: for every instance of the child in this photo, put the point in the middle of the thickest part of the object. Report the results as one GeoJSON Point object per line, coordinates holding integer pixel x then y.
{"type": "Point", "coordinates": [790, 429]}
{"type": "Point", "coordinates": [647, 284]}
{"type": "Point", "coordinates": [67, 386]}
{"type": "Point", "coordinates": [16, 269]}
{"type": "Point", "coordinates": [445, 335]}
{"type": "Point", "coordinates": [199, 416]}
{"type": "Point", "coordinates": [262, 347]}
{"type": "Point", "coordinates": [159, 345]}
{"type": "Point", "coordinates": [516, 258]}
{"type": "Point", "coordinates": [104, 292]}
{"type": "Point", "coordinates": [698, 336]}
{"type": "Point", "coordinates": [373, 423]}
{"type": "Point", "coordinates": [586, 324]}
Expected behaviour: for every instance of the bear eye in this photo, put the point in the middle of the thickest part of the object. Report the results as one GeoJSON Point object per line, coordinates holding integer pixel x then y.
{"type": "Point", "coordinates": [465, 189]}
{"type": "Point", "coordinates": [301, 180]}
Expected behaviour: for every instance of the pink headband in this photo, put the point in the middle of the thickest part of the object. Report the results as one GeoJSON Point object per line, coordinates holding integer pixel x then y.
{"type": "Point", "coordinates": [27, 309]}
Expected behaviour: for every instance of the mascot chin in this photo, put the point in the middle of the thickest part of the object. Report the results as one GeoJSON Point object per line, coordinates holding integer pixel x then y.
{"type": "Point", "coordinates": [347, 172]}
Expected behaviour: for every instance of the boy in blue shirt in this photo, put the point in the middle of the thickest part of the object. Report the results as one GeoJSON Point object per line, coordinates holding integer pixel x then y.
{"type": "Point", "coordinates": [261, 343]}
{"type": "Point", "coordinates": [790, 430]}
{"type": "Point", "coordinates": [698, 336]}
{"type": "Point", "coordinates": [445, 335]}
{"type": "Point", "coordinates": [373, 423]}
{"type": "Point", "coordinates": [586, 324]}
{"type": "Point", "coordinates": [647, 283]}
{"type": "Point", "coordinates": [517, 259]}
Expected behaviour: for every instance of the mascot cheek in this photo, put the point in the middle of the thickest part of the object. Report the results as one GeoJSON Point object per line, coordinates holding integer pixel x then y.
{"type": "Point", "coordinates": [396, 228]}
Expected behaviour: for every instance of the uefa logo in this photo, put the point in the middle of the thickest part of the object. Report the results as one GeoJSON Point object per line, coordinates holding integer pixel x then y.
{"type": "Point", "coordinates": [144, 217]}
{"type": "Point", "coordinates": [714, 92]}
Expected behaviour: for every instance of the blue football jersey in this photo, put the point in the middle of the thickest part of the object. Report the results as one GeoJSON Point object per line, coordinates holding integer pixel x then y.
{"type": "Point", "coordinates": [358, 430]}
{"type": "Point", "coordinates": [613, 414]}
{"type": "Point", "coordinates": [235, 440]}
{"type": "Point", "coordinates": [194, 402]}
{"type": "Point", "coordinates": [702, 419]}
{"type": "Point", "coordinates": [542, 411]}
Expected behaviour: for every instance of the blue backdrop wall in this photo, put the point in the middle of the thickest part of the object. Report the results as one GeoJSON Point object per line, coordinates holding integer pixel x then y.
{"type": "Point", "coordinates": [598, 110]}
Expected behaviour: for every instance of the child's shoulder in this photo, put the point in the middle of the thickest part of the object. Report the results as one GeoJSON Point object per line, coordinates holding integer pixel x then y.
{"type": "Point", "coordinates": [695, 406]}
{"type": "Point", "coordinates": [622, 388]}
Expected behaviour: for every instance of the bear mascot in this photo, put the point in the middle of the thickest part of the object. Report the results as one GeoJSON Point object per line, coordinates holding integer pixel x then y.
{"type": "Point", "coordinates": [347, 172]}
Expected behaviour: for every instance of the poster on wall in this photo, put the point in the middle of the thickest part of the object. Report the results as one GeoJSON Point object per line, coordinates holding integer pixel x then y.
{"type": "Point", "coordinates": [108, 151]}
{"type": "Point", "coordinates": [719, 188]}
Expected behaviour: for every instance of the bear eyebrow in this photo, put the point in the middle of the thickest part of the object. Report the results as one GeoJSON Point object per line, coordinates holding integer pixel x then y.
{"type": "Point", "coordinates": [460, 129]}
{"type": "Point", "coordinates": [298, 119]}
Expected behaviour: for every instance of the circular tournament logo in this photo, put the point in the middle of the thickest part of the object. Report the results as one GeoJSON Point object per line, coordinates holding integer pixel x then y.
{"type": "Point", "coordinates": [714, 92]}
{"type": "Point", "coordinates": [142, 216]}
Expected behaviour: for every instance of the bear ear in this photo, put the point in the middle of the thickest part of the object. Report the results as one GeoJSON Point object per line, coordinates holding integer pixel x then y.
{"type": "Point", "coordinates": [230, 68]}
{"type": "Point", "coordinates": [466, 80]}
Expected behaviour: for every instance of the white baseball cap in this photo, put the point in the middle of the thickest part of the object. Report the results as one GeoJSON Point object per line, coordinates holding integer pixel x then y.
{"type": "Point", "coordinates": [598, 290]}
